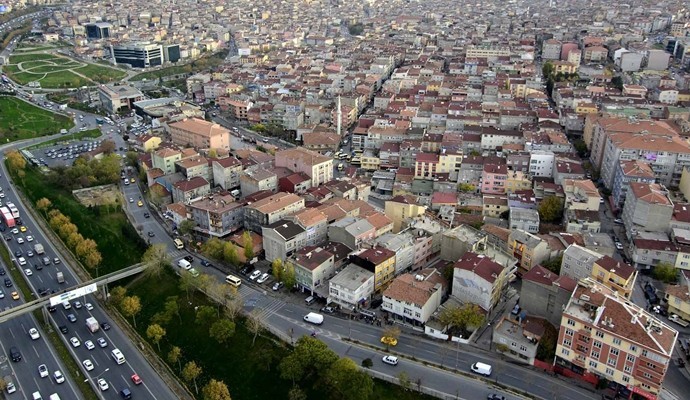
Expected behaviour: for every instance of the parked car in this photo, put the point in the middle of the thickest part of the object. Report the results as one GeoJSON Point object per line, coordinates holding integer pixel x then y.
{"type": "Point", "coordinates": [255, 275]}
{"type": "Point", "coordinates": [263, 278]}
{"type": "Point", "coordinates": [390, 360]}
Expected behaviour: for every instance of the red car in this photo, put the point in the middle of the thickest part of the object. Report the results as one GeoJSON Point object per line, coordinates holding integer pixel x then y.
{"type": "Point", "coordinates": [136, 379]}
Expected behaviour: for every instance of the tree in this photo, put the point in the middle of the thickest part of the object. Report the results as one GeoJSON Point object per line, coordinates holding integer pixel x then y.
{"type": "Point", "coordinates": [392, 332]}
{"type": "Point", "coordinates": [186, 227]}
{"type": "Point", "coordinates": [460, 318]}
{"type": "Point", "coordinates": [43, 205]}
{"type": "Point", "coordinates": [289, 278]}
{"type": "Point", "coordinates": [117, 294]}
{"type": "Point", "coordinates": [466, 187]}
{"type": "Point", "coordinates": [155, 259]}
{"type": "Point", "coordinates": [74, 239]}
{"type": "Point", "coordinates": [131, 306]}
{"type": "Point", "coordinates": [214, 248]}
{"type": "Point", "coordinates": [346, 381]}
{"type": "Point", "coordinates": [546, 350]}
{"type": "Point", "coordinates": [222, 330]}
{"type": "Point", "coordinates": [248, 245]}
{"type": "Point", "coordinates": [233, 307]}
{"type": "Point", "coordinates": [404, 380]}
{"type": "Point", "coordinates": [172, 307]}
{"type": "Point", "coordinates": [92, 260]}
{"type": "Point", "coordinates": [86, 246]}
{"type": "Point", "coordinates": [187, 283]}
{"type": "Point", "coordinates": [15, 161]}
{"type": "Point", "coordinates": [3, 385]}
{"type": "Point", "coordinates": [155, 333]}
{"type": "Point", "coordinates": [367, 363]}
{"type": "Point", "coordinates": [296, 393]}
{"type": "Point", "coordinates": [551, 209]}
{"type": "Point", "coordinates": [547, 69]}
{"type": "Point", "coordinates": [57, 220]}
{"type": "Point", "coordinates": [254, 325]}
{"type": "Point", "coordinates": [191, 372]}
{"type": "Point", "coordinates": [553, 265]}
{"type": "Point", "coordinates": [665, 272]}
{"type": "Point", "coordinates": [204, 315]}
{"type": "Point", "coordinates": [277, 268]}
{"type": "Point", "coordinates": [617, 82]}
{"type": "Point", "coordinates": [213, 153]}
{"type": "Point", "coordinates": [216, 390]}
{"type": "Point", "coordinates": [230, 254]}
{"type": "Point", "coordinates": [309, 358]}
{"type": "Point", "coordinates": [174, 356]}
{"type": "Point", "coordinates": [67, 229]}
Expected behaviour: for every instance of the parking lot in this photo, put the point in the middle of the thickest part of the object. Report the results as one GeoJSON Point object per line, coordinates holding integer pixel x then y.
{"type": "Point", "coordinates": [64, 154]}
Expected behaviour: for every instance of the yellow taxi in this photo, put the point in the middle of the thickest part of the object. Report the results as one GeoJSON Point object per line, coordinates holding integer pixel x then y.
{"type": "Point", "coordinates": [131, 180]}
{"type": "Point", "coordinates": [139, 203]}
{"type": "Point", "coordinates": [22, 228]}
{"type": "Point", "coordinates": [390, 341]}
{"type": "Point", "coordinates": [15, 296]}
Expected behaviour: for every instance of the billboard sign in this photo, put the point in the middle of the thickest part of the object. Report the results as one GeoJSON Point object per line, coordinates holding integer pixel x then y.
{"type": "Point", "coordinates": [73, 294]}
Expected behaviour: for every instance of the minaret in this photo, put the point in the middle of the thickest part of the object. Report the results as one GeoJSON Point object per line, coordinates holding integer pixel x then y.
{"type": "Point", "coordinates": [340, 118]}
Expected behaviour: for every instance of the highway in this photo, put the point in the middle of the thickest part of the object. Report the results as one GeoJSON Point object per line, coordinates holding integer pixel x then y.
{"type": "Point", "coordinates": [118, 376]}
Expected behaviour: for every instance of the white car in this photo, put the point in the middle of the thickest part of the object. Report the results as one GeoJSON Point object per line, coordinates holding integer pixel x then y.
{"type": "Point", "coordinates": [22, 261]}
{"type": "Point", "coordinates": [29, 238]}
{"type": "Point", "coordinates": [88, 306]}
{"type": "Point", "coordinates": [390, 360]}
{"type": "Point", "coordinates": [28, 271]}
{"type": "Point", "coordinates": [15, 231]}
{"type": "Point", "coordinates": [59, 378]}
{"type": "Point", "coordinates": [33, 332]}
{"type": "Point", "coordinates": [66, 305]}
{"type": "Point", "coordinates": [88, 365]}
{"type": "Point", "coordinates": [263, 278]}
{"type": "Point", "coordinates": [89, 345]}
{"type": "Point", "coordinates": [103, 385]}
{"type": "Point", "coordinates": [102, 342]}
{"type": "Point", "coordinates": [75, 342]}
{"type": "Point", "coordinates": [255, 275]}
{"type": "Point", "coordinates": [20, 240]}
{"type": "Point", "coordinates": [43, 371]}
{"type": "Point", "coordinates": [77, 305]}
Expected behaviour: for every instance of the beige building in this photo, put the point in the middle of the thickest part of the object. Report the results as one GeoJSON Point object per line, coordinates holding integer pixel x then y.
{"type": "Point", "coordinates": [200, 134]}
{"type": "Point", "coordinates": [400, 208]}
{"type": "Point", "coordinates": [165, 159]}
{"type": "Point", "coordinates": [316, 166]}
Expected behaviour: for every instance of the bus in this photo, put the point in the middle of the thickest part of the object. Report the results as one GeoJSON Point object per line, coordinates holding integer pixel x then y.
{"type": "Point", "coordinates": [233, 280]}
{"type": "Point", "coordinates": [178, 244]}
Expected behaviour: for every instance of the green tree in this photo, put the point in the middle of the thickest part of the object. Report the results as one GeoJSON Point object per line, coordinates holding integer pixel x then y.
{"type": "Point", "coordinates": [248, 245]}
{"type": "Point", "coordinates": [547, 69]}
{"type": "Point", "coordinates": [205, 315]}
{"type": "Point", "coordinates": [172, 307]}
{"type": "Point", "coordinates": [43, 205]}
{"type": "Point", "coordinates": [186, 227]}
{"type": "Point", "coordinates": [296, 393]}
{"type": "Point", "coordinates": [214, 248]}
{"type": "Point", "coordinates": [367, 363]}
{"type": "Point", "coordinates": [155, 259]}
{"type": "Point", "coordinates": [254, 325]}
{"type": "Point", "coordinates": [289, 278]}
{"type": "Point", "coordinates": [117, 294]}
{"type": "Point", "coordinates": [346, 381]}
{"type": "Point", "coordinates": [230, 254]}
{"type": "Point", "coordinates": [617, 82]}
{"type": "Point", "coordinates": [216, 390]}
{"type": "Point", "coordinates": [175, 356]}
{"type": "Point", "coordinates": [466, 187]}
{"type": "Point", "coordinates": [460, 318]}
{"type": "Point", "coordinates": [404, 380]}
{"type": "Point", "coordinates": [665, 272]}
{"type": "Point", "coordinates": [277, 268]}
{"type": "Point", "coordinates": [551, 209]}
{"type": "Point", "coordinates": [546, 350]}
{"type": "Point", "coordinates": [191, 372]}
{"type": "Point", "coordinates": [155, 333]}
{"type": "Point", "coordinates": [309, 358]}
{"type": "Point", "coordinates": [553, 265]}
{"type": "Point", "coordinates": [131, 306]}
{"type": "Point", "coordinates": [222, 330]}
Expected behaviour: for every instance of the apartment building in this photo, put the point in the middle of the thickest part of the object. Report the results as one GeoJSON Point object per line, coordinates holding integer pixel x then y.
{"type": "Point", "coordinates": [545, 294]}
{"type": "Point", "coordinates": [165, 160]}
{"type": "Point", "coordinates": [116, 97]}
{"type": "Point", "coordinates": [627, 172]}
{"type": "Point", "coordinates": [581, 195]}
{"type": "Point", "coordinates": [412, 298]}
{"type": "Point", "coordinates": [199, 134]}
{"type": "Point", "coordinates": [494, 178]}
{"type": "Point", "coordinates": [477, 279]}
{"type": "Point", "coordinates": [616, 275]}
{"type": "Point", "coordinates": [188, 189]}
{"type": "Point", "coordinates": [217, 215]}
{"type": "Point", "coordinates": [192, 167]}
{"type": "Point", "coordinates": [352, 287]}
{"type": "Point", "coordinates": [256, 179]}
{"type": "Point", "coordinates": [400, 208]}
{"type": "Point", "coordinates": [282, 238]}
{"type": "Point", "coordinates": [318, 167]}
{"type": "Point", "coordinates": [524, 219]}
{"type": "Point", "coordinates": [578, 262]}
{"type": "Point", "coordinates": [647, 208]}
{"type": "Point", "coordinates": [313, 267]}
{"type": "Point", "coordinates": [351, 232]}
{"type": "Point", "coordinates": [271, 209]}
{"type": "Point", "coordinates": [227, 172]}
{"type": "Point", "coordinates": [530, 250]}
{"type": "Point", "coordinates": [606, 335]}
{"type": "Point", "coordinates": [378, 260]}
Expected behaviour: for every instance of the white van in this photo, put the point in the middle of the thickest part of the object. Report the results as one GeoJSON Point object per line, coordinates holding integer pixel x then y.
{"type": "Point", "coordinates": [54, 396]}
{"type": "Point", "coordinates": [36, 396]}
{"type": "Point", "coordinates": [310, 300]}
{"type": "Point", "coordinates": [233, 280]}
{"type": "Point", "coordinates": [481, 368]}
{"type": "Point", "coordinates": [178, 244]}
{"type": "Point", "coordinates": [118, 356]}
{"type": "Point", "coordinates": [184, 264]}
{"type": "Point", "coordinates": [314, 318]}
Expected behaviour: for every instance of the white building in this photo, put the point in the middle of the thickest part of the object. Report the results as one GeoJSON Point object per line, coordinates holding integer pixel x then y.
{"type": "Point", "coordinates": [412, 298]}
{"type": "Point", "coordinates": [541, 163]}
{"type": "Point", "coordinates": [352, 286]}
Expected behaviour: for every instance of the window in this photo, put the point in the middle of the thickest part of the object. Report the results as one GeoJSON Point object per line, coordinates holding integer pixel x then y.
{"type": "Point", "coordinates": [567, 342]}
{"type": "Point", "coordinates": [614, 352]}
{"type": "Point", "coordinates": [644, 353]}
{"type": "Point", "coordinates": [611, 361]}
{"type": "Point", "coordinates": [650, 365]}
{"type": "Point", "coordinates": [647, 375]}
{"type": "Point", "coordinates": [633, 348]}
{"type": "Point", "coordinates": [595, 355]}
{"type": "Point", "coordinates": [616, 341]}
{"type": "Point", "coordinates": [630, 358]}
{"type": "Point", "coordinates": [593, 364]}
{"type": "Point", "coordinates": [600, 334]}
{"type": "Point", "coordinates": [571, 322]}
{"type": "Point", "coordinates": [627, 369]}
{"type": "Point", "coordinates": [609, 371]}
{"type": "Point", "coordinates": [597, 344]}
{"type": "Point", "coordinates": [626, 379]}
{"type": "Point", "coordinates": [569, 332]}
{"type": "Point", "coordinates": [565, 352]}
{"type": "Point", "coordinates": [523, 348]}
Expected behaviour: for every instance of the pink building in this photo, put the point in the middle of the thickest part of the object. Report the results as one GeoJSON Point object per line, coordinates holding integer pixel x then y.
{"type": "Point", "coordinates": [494, 178]}
{"type": "Point", "coordinates": [566, 48]}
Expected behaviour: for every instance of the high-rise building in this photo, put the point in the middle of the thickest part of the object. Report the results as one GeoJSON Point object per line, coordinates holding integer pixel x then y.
{"type": "Point", "coordinates": [99, 30]}
{"type": "Point", "coordinates": [138, 55]}
{"type": "Point", "coordinates": [171, 53]}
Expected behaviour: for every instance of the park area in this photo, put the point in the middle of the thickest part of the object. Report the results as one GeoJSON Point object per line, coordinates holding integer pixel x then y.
{"type": "Point", "coordinates": [21, 120]}
{"type": "Point", "coordinates": [57, 71]}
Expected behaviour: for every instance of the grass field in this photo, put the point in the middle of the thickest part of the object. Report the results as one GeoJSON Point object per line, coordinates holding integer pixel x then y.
{"type": "Point", "coordinates": [117, 240]}
{"type": "Point", "coordinates": [54, 71]}
{"type": "Point", "coordinates": [21, 120]}
{"type": "Point", "coordinates": [250, 372]}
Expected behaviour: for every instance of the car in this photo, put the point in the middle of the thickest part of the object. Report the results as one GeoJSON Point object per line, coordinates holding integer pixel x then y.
{"type": "Point", "coordinates": [494, 396]}
{"type": "Point", "coordinates": [389, 341]}
{"type": "Point", "coordinates": [56, 260]}
{"type": "Point", "coordinates": [66, 305]}
{"type": "Point", "coordinates": [59, 378]}
{"type": "Point", "coordinates": [247, 269]}
{"type": "Point", "coordinates": [28, 272]}
{"type": "Point", "coordinates": [22, 229]}
{"type": "Point", "coordinates": [89, 345]}
{"type": "Point", "coordinates": [33, 333]}
{"type": "Point", "coordinates": [38, 266]}
{"type": "Point", "coordinates": [77, 305]}
{"type": "Point", "coordinates": [277, 286]}
{"type": "Point", "coordinates": [18, 253]}
{"type": "Point", "coordinates": [103, 385]}
{"type": "Point", "coordinates": [618, 221]}
{"type": "Point", "coordinates": [140, 204]}
{"type": "Point", "coordinates": [205, 263]}
{"type": "Point", "coordinates": [328, 310]}
{"type": "Point", "coordinates": [88, 306]}
{"type": "Point", "coordinates": [88, 365]}
{"type": "Point", "coordinates": [15, 296]}
{"type": "Point", "coordinates": [75, 342]}
{"type": "Point", "coordinates": [72, 318]}
{"type": "Point", "coordinates": [151, 234]}
{"type": "Point", "coordinates": [29, 238]}
{"type": "Point", "coordinates": [105, 326]}
{"type": "Point", "coordinates": [15, 354]}
{"type": "Point", "coordinates": [619, 246]}
{"type": "Point", "coordinates": [263, 278]}
{"type": "Point", "coordinates": [52, 309]}
{"type": "Point", "coordinates": [102, 342]}
{"type": "Point", "coordinates": [21, 261]}
{"type": "Point", "coordinates": [255, 275]}
{"type": "Point", "coordinates": [63, 329]}
{"type": "Point", "coordinates": [189, 258]}
{"type": "Point", "coordinates": [43, 371]}
{"type": "Point", "coordinates": [15, 231]}
{"type": "Point", "coordinates": [10, 387]}
{"type": "Point", "coordinates": [131, 200]}
{"type": "Point", "coordinates": [146, 215]}
{"type": "Point", "coordinates": [8, 282]}
{"type": "Point", "coordinates": [2, 294]}
{"type": "Point", "coordinates": [390, 360]}
{"type": "Point", "coordinates": [2, 271]}
{"type": "Point", "coordinates": [136, 380]}
{"type": "Point", "coordinates": [29, 253]}
{"type": "Point", "coordinates": [8, 238]}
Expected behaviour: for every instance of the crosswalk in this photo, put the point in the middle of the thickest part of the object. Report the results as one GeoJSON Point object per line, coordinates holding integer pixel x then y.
{"type": "Point", "coordinates": [175, 254]}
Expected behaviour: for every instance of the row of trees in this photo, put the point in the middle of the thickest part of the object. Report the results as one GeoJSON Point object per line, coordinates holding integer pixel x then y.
{"type": "Point", "coordinates": [313, 361]}
{"type": "Point", "coordinates": [89, 173]}
{"type": "Point", "coordinates": [85, 249]}
{"type": "Point", "coordinates": [226, 251]}
{"type": "Point", "coordinates": [284, 272]}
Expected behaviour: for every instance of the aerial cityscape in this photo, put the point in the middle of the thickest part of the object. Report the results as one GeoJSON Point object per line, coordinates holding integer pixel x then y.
{"type": "Point", "coordinates": [389, 199]}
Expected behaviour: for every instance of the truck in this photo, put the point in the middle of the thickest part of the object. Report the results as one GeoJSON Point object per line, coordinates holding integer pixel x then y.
{"type": "Point", "coordinates": [92, 324]}
{"type": "Point", "coordinates": [678, 320]}
{"type": "Point", "coordinates": [7, 217]}
{"type": "Point", "coordinates": [38, 248]}
{"type": "Point", "coordinates": [60, 277]}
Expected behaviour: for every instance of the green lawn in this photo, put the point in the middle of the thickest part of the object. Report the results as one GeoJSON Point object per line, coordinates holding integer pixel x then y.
{"type": "Point", "coordinates": [21, 120]}
{"type": "Point", "coordinates": [16, 59]}
{"type": "Point", "coordinates": [250, 372]}
{"type": "Point", "coordinates": [101, 74]}
{"type": "Point", "coordinates": [117, 240]}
